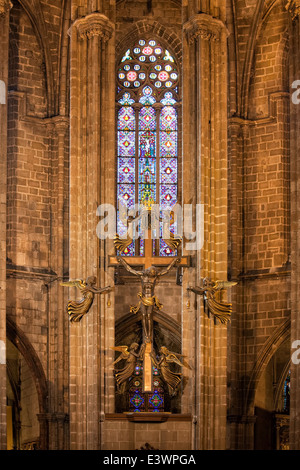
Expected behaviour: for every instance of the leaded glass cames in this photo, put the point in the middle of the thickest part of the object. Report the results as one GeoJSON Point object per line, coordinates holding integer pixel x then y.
{"type": "Point", "coordinates": [147, 144]}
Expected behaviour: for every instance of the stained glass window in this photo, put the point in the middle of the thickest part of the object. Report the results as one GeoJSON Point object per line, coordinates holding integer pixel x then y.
{"type": "Point", "coordinates": [286, 394]}
{"type": "Point", "coordinates": [149, 402]}
{"type": "Point", "coordinates": [147, 98]}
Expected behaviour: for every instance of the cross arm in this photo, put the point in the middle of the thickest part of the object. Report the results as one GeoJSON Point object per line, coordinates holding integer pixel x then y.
{"type": "Point", "coordinates": [128, 267]}
{"type": "Point", "coordinates": [165, 271]}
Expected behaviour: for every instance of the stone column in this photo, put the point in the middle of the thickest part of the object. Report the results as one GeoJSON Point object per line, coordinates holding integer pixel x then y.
{"type": "Point", "coordinates": [58, 323]}
{"type": "Point", "coordinates": [5, 6]}
{"type": "Point", "coordinates": [294, 9]}
{"type": "Point", "coordinates": [92, 157]}
{"type": "Point", "coordinates": [205, 167]}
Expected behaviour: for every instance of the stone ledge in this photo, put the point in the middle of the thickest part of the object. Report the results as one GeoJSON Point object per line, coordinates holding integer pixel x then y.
{"type": "Point", "coordinates": [147, 417]}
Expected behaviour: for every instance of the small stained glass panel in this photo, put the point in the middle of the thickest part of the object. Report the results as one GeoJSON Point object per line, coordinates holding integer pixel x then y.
{"type": "Point", "coordinates": [168, 144]}
{"type": "Point", "coordinates": [147, 118]}
{"type": "Point", "coordinates": [126, 118]}
{"type": "Point", "coordinates": [147, 170]}
{"type": "Point", "coordinates": [168, 196]}
{"type": "Point", "coordinates": [147, 193]}
{"type": "Point", "coordinates": [168, 119]}
{"type": "Point", "coordinates": [126, 143]}
{"type": "Point", "coordinates": [147, 144]}
{"type": "Point", "coordinates": [126, 194]}
{"type": "Point", "coordinates": [126, 170]}
{"type": "Point", "coordinates": [168, 170]}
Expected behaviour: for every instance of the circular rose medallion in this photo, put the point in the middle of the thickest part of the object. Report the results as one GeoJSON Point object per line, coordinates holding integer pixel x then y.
{"type": "Point", "coordinates": [163, 76]}
{"type": "Point", "coordinates": [131, 76]}
{"type": "Point", "coordinates": [147, 50]}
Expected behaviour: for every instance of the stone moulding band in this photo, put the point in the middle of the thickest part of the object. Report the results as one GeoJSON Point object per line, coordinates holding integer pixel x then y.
{"type": "Point", "coordinates": [204, 27]}
{"type": "Point", "coordinates": [92, 25]}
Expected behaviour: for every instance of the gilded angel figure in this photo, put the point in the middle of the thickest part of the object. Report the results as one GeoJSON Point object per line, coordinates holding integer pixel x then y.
{"type": "Point", "coordinates": [171, 378]}
{"type": "Point", "coordinates": [220, 310]}
{"type": "Point", "coordinates": [131, 357]}
{"type": "Point", "coordinates": [77, 309]}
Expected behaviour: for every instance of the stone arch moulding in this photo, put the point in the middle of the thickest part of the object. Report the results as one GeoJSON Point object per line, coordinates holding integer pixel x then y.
{"type": "Point", "coordinates": [37, 20]}
{"type": "Point", "coordinates": [255, 28]}
{"type": "Point", "coordinates": [280, 335]}
{"type": "Point", "coordinates": [128, 322]}
{"type": "Point", "coordinates": [21, 342]}
{"type": "Point", "coordinates": [262, 13]}
{"type": "Point", "coordinates": [150, 27]}
{"type": "Point", "coordinates": [280, 385]}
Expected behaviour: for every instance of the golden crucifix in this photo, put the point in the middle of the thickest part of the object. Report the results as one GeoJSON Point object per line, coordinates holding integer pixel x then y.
{"type": "Point", "coordinates": [148, 277]}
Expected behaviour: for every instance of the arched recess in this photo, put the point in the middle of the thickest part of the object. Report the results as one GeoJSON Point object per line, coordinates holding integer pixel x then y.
{"type": "Point", "coordinates": [255, 28]}
{"type": "Point", "coordinates": [37, 20]}
{"type": "Point", "coordinates": [261, 16]}
{"type": "Point", "coordinates": [167, 332]}
{"type": "Point", "coordinates": [21, 342]}
{"type": "Point", "coordinates": [280, 335]}
{"type": "Point", "coordinates": [128, 323]}
{"type": "Point", "coordinates": [278, 394]}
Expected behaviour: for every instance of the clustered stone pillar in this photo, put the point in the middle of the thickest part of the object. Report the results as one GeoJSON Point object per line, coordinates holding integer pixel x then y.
{"type": "Point", "coordinates": [4, 39]}
{"type": "Point", "coordinates": [205, 150]}
{"type": "Point", "coordinates": [91, 183]}
{"type": "Point", "coordinates": [294, 9]}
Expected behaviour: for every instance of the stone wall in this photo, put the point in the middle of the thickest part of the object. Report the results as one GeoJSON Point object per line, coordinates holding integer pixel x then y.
{"type": "Point", "coordinates": [125, 435]}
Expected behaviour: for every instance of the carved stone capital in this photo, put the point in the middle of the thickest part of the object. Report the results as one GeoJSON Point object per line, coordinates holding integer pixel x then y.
{"type": "Point", "coordinates": [5, 6]}
{"type": "Point", "coordinates": [205, 27]}
{"type": "Point", "coordinates": [61, 124]}
{"type": "Point", "coordinates": [293, 7]}
{"type": "Point", "coordinates": [92, 25]}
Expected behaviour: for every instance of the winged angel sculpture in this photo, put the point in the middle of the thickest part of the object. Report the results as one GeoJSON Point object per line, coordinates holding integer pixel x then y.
{"type": "Point", "coordinates": [77, 309]}
{"type": "Point", "coordinates": [220, 310]}
{"type": "Point", "coordinates": [131, 357]}
{"type": "Point", "coordinates": [171, 378]}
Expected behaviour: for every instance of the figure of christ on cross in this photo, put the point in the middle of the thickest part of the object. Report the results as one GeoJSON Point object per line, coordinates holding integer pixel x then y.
{"type": "Point", "coordinates": [148, 277]}
{"type": "Point", "coordinates": [148, 298]}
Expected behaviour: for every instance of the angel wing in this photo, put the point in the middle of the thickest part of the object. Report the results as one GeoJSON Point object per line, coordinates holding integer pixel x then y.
{"type": "Point", "coordinates": [122, 349]}
{"type": "Point", "coordinates": [76, 283]}
{"type": "Point", "coordinates": [172, 358]}
{"type": "Point", "coordinates": [121, 244]}
{"type": "Point", "coordinates": [173, 242]}
{"type": "Point", "coordinates": [124, 353]}
{"type": "Point", "coordinates": [224, 285]}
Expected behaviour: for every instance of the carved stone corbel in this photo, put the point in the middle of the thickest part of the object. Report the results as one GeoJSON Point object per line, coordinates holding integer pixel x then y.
{"type": "Point", "coordinates": [205, 27]}
{"type": "Point", "coordinates": [5, 6]}
{"type": "Point", "coordinates": [293, 7]}
{"type": "Point", "coordinates": [92, 25]}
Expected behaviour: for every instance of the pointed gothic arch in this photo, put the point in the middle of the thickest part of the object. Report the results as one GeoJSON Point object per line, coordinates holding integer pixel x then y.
{"type": "Point", "coordinates": [279, 336]}
{"type": "Point", "coordinates": [18, 338]}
